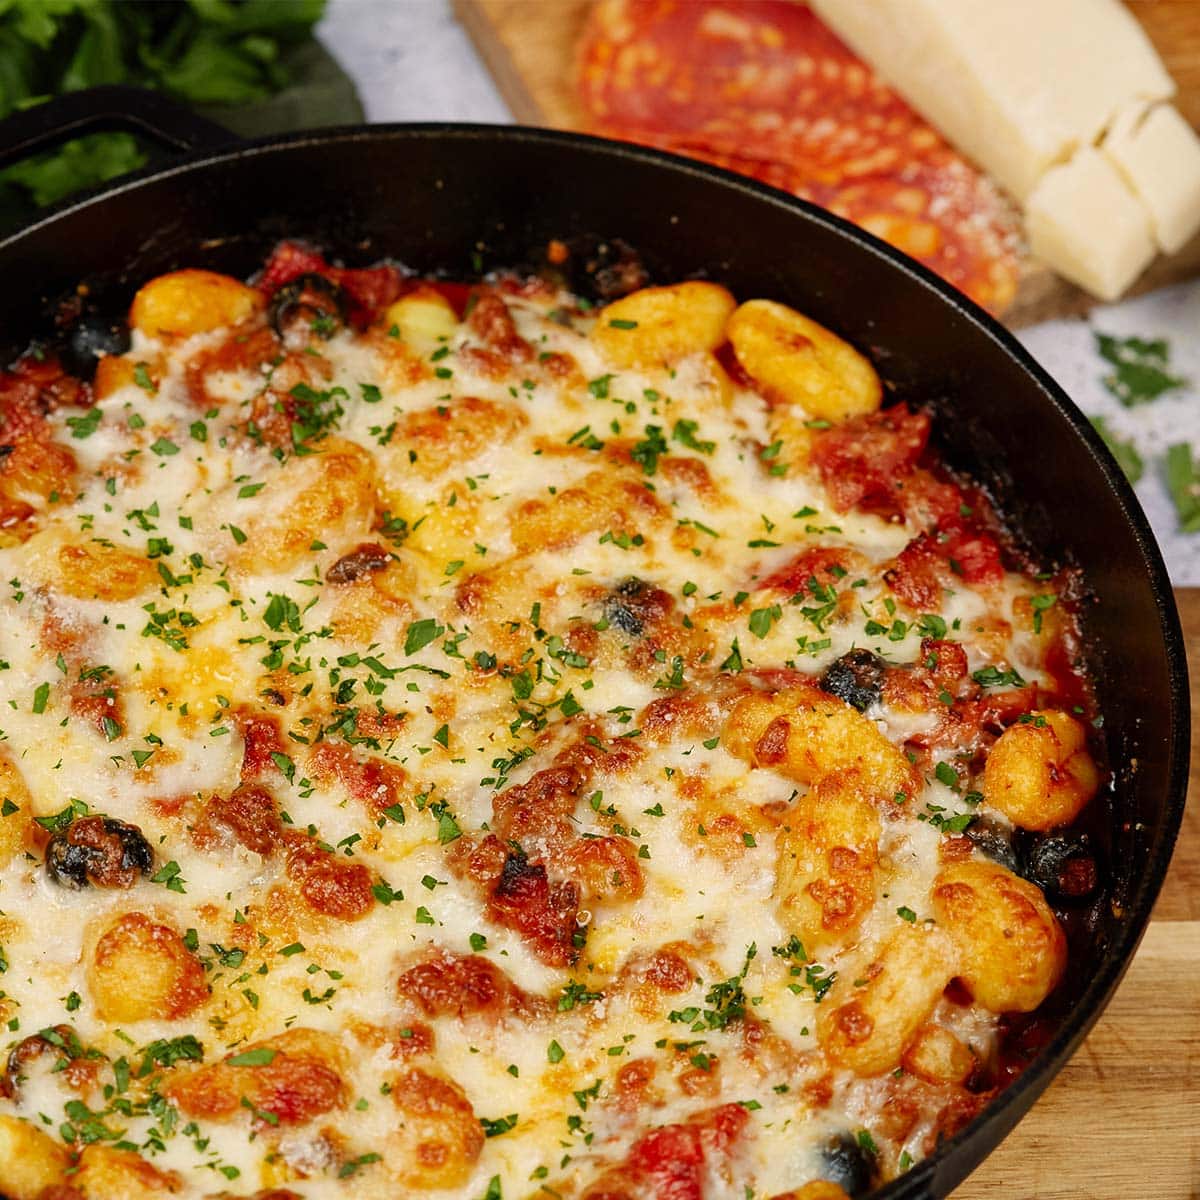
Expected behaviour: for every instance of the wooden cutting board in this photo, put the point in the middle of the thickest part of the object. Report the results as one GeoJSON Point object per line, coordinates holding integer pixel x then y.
{"type": "Point", "coordinates": [529, 46]}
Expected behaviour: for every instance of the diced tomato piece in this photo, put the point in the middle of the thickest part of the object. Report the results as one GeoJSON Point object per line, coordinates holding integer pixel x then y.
{"type": "Point", "coordinates": [288, 261]}
{"type": "Point", "coordinates": [973, 554]}
{"type": "Point", "coordinates": [723, 1127]}
{"type": "Point", "coordinates": [262, 738]}
{"type": "Point", "coordinates": [914, 575]}
{"type": "Point", "coordinates": [861, 460]}
{"type": "Point", "coordinates": [949, 661]}
{"type": "Point", "coordinates": [827, 564]}
{"type": "Point", "coordinates": [456, 293]}
{"type": "Point", "coordinates": [370, 289]}
{"type": "Point", "coordinates": [671, 1161]}
{"type": "Point", "coordinates": [932, 560]}
{"type": "Point", "coordinates": [543, 913]}
{"type": "Point", "coordinates": [928, 500]}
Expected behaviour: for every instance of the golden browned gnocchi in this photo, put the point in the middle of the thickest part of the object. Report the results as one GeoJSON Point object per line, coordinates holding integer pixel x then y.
{"type": "Point", "coordinates": [478, 740]}
{"type": "Point", "coordinates": [826, 859]}
{"type": "Point", "coordinates": [424, 319]}
{"type": "Point", "coordinates": [868, 1019]}
{"type": "Point", "coordinates": [1040, 773]}
{"type": "Point", "coordinates": [438, 1129]}
{"type": "Point", "coordinates": [935, 1055]}
{"type": "Point", "coordinates": [188, 302]}
{"type": "Point", "coordinates": [142, 970]}
{"type": "Point", "coordinates": [16, 810]}
{"type": "Point", "coordinates": [808, 735]}
{"type": "Point", "coordinates": [1010, 946]}
{"type": "Point", "coordinates": [796, 361]}
{"type": "Point", "coordinates": [108, 1173]}
{"type": "Point", "coordinates": [660, 325]}
{"type": "Point", "coordinates": [33, 1161]}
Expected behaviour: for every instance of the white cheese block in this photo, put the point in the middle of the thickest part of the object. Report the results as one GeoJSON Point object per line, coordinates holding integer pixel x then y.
{"type": "Point", "coordinates": [1158, 154]}
{"type": "Point", "coordinates": [1017, 85]}
{"type": "Point", "coordinates": [1085, 222]}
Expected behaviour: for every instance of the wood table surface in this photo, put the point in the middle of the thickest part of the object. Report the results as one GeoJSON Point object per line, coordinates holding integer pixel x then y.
{"type": "Point", "coordinates": [1122, 1120]}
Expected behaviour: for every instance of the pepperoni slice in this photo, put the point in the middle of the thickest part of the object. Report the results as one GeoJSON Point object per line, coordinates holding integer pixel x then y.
{"type": "Point", "coordinates": [762, 87]}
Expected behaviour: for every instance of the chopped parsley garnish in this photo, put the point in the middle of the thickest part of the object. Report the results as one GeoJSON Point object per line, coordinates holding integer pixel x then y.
{"type": "Point", "coordinates": [648, 450]}
{"type": "Point", "coordinates": [262, 1056]}
{"type": "Point", "coordinates": [1183, 482]}
{"type": "Point", "coordinates": [1141, 368]}
{"type": "Point", "coordinates": [1125, 452]}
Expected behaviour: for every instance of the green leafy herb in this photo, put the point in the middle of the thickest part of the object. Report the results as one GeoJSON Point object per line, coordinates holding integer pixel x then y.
{"type": "Point", "coordinates": [494, 1128]}
{"type": "Point", "coordinates": [1141, 368]}
{"type": "Point", "coordinates": [684, 432]}
{"type": "Point", "coordinates": [1040, 604]}
{"type": "Point", "coordinates": [85, 426]}
{"type": "Point", "coordinates": [420, 634]}
{"type": "Point", "coordinates": [262, 1056]}
{"type": "Point", "coordinates": [647, 451]}
{"type": "Point", "coordinates": [1183, 482]}
{"type": "Point", "coordinates": [995, 677]}
{"type": "Point", "coordinates": [169, 876]}
{"type": "Point", "coordinates": [1125, 452]}
{"type": "Point", "coordinates": [203, 52]}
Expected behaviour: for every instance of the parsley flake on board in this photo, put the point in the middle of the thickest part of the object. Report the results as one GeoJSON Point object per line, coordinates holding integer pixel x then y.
{"type": "Point", "coordinates": [1141, 368]}
{"type": "Point", "coordinates": [1183, 482]}
{"type": "Point", "coordinates": [1125, 452]}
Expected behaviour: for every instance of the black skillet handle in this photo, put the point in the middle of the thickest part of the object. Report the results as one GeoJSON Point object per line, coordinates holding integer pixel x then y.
{"type": "Point", "coordinates": [134, 110]}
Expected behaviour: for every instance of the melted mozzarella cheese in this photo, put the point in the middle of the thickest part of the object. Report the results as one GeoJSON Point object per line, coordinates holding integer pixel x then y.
{"type": "Point", "coordinates": [229, 619]}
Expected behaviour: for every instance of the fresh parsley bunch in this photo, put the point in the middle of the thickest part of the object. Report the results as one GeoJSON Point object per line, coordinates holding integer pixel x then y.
{"type": "Point", "coordinates": [214, 54]}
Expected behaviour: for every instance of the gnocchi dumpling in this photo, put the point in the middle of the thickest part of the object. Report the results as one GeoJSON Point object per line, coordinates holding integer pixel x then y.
{"type": "Point", "coordinates": [424, 319]}
{"type": "Point", "coordinates": [1039, 773]}
{"type": "Point", "coordinates": [439, 1130]}
{"type": "Point", "coordinates": [32, 1160]}
{"type": "Point", "coordinates": [141, 970]}
{"type": "Point", "coordinates": [805, 734]}
{"type": "Point", "coordinates": [1011, 949]}
{"type": "Point", "coordinates": [16, 809]}
{"type": "Point", "coordinates": [182, 303]}
{"type": "Point", "coordinates": [872, 1013]}
{"type": "Point", "coordinates": [108, 1173]}
{"type": "Point", "coordinates": [796, 361]}
{"type": "Point", "coordinates": [826, 859]}
{"type": "Point", "coordinates": [655, 326]}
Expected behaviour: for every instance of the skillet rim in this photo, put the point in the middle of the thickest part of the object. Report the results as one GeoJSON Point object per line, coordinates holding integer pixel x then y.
{"type": "Point", "coordinates": [954, 1159]}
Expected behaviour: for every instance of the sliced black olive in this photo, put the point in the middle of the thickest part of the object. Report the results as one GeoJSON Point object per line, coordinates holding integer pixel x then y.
{"type": "Point", "coordinates": [856, 677]}
{"type": "Point", "coordinates": [100, 851]}
{"type": "Point", "coordinates": [1062, 865]}
{"type": "Point", "coordinates": [89, 338]}
{"type": "Point", "coordinates": [621, 607]}
{"type": "Point", "coordinates": [635, 605]}
{"type": "Point", "coordinates": [309, 304]}
{"type": "Point", "coordinates": [848, 1165]}
{"type": "Point", "coordinates": [994, 840]}
{"type": "Point", "coordinates": [604, 269]}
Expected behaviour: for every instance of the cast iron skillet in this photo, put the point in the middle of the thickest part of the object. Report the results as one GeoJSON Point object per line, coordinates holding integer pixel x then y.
{"type": "Point", "coordinates": [457, 199]}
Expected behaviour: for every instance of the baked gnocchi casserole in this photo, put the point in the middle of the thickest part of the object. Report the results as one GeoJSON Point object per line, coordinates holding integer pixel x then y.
{"type": "Point", "coordinates": [494, 743]}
